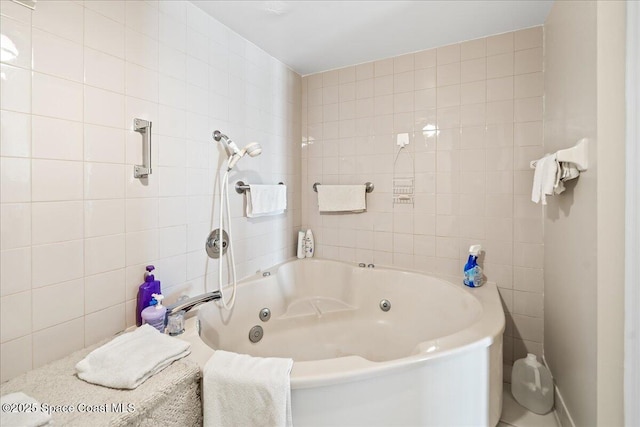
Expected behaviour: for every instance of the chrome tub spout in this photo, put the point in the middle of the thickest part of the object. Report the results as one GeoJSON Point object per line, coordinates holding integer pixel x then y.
{"type": "Point", "coordinates": [186, 305]}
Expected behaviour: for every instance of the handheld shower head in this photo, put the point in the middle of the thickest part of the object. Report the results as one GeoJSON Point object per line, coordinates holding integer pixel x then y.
{"type": "Point", "coordinates": [229, 144]}
{"type": "Point", "coordinates": [253, 149]}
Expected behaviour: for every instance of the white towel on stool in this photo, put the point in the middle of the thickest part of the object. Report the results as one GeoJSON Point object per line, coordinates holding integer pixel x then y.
{"type": "Point", "coordinates": [544, 178]}
{"type": "Point", "coordinates": [132, 358]}
{"type": "Point", "coordinates": [342, 198]}
{"type": "Point", "coordinates": [241, 390]}
{"type": "Point", "coordinates": [266, 200]}
{"type": "Point", "coordinates": [27, 411]}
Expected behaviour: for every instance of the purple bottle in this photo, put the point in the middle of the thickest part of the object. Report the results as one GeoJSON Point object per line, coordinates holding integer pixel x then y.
{"type": "Point", "coordinates": [149, 287]}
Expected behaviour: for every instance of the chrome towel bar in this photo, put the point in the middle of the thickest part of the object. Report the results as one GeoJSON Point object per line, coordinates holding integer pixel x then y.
{"type": "Point", "coordinates": [368, 187]}
{"type": "Point", "coordinates": [241, 187]}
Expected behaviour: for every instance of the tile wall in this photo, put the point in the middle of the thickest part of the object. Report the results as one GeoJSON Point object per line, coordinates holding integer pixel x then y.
{"type": "Point", "coordinates": [473, 115]}
{"type": "Point", "coordinates": [77, 228]}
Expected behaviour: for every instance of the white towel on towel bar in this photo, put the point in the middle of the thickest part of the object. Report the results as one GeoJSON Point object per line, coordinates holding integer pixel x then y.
{"type": "Point", "coordinates": [241, 390]}
{"type": "Point", "coordinates": [342, 198]}
{"type": "Point", "coordinates": [265, 200]}
{"type": "Point", "coordinates": [544, 178]}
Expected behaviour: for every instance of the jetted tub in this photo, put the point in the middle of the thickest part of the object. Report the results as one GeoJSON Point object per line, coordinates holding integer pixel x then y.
{"type": "Point", "coordinates": [434, 358]}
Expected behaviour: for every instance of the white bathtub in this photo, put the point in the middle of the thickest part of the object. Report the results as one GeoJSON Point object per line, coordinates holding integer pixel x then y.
{"type": "Point", "coordinates": [435, 358]}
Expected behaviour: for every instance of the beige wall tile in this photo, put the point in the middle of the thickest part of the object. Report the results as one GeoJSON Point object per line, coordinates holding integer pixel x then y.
{"type": "Point", "coordinates": [448, 54]}
{"type": "Point", "coordinates": [528, 61]}
{"type": "Point", "coordinates": [528, 303]}
{"type": "Point", "coordinates": [365, 71]}
{"type": "Point", "coordinates": [528, 134]}
{"type": "Point", "coordinates": [15, 181]}
{"type": "Point", "coordinates": [330, 78]}
{"type": "Point", "coordinates": [528, 109]}
{"type": "Point", "coordinates": [56, 304]}
{"type": "Point", "coordinates": [403, 63]}
{"type": "Point", "coordinates": [15, 270]}
{"type": "Point", "coordinates": [500, 65]}
{"type": "Point", "coordinates": [16, 225]}
{"type": "Point", "coordinates": [528, 328]}
{"type": "Point", "coordinates": [383, 67]}
{"type": "Point", "coordinates": [448, 74]}
{"type": "Point", "coordinates": [500, 43]}
{"type": "Point", "coordinates": [54, 343]}
{"type": "Point", "coordinates": [473, 49]}
{"type": "Point", "coordinates": [16, 316]}
{"type": "Point", "coordinates": [529, 85]}
{"type": "Point", "coordinates": [425, 78]}
{"type": "Point", "coordinates": [528, 38]}
{"type": "Point", "coordinates": [500, 89]}
{"type": "Point", "coordinates": [473, 70]}
{"type": "Point", "coordinates": [104, 324]}
{"type": "Point", "coordinates": [473, 93]}
{"type": "Point", "coordinates": [15, 358]}
{"type": "Point", "coordinates": [347, 75]}
{"type": "Point", "coordinates": [425, 59]}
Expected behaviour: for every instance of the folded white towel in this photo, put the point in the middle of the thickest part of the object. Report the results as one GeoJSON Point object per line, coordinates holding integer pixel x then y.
{"type": "Point", "coordinates": [544, 178]}
{"type": "Point", "coordinates": [241, 390]}
{"type": "Point", "coordinates": [132, 358]}
{"type": "Point", "coordinates": [266, 200]}
{"type": "Point", "coordinates": [18, 409]}
{"type": "Point", "coordinates": [342, 198]}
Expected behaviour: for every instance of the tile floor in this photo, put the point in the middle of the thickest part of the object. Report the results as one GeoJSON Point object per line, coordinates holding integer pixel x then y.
{"type": "Point", "coordinates": [514, 415]}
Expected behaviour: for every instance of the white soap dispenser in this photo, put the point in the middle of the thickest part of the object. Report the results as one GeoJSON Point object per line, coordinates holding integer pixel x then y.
{"type": "Point", "coordinates": [301, 251]}
{"type": "Point", "coordinates": [154, 314]}
{"type": "Point", "coordinates": [309, 244]}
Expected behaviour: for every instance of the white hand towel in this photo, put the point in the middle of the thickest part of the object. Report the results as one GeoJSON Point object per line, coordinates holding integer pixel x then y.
{"type": "Point", "coordinates": [544, 178]}
{"type": "Point", "coordinates": [18, 409]}
{"type": "Point", "coordinates": [132, 358]}
{"type": "Point", "coordinates": [266, 200]}
{"type": "Point", "coordinates": [241, 390]}
{"type": "Point", "coordinates": [342, 198]}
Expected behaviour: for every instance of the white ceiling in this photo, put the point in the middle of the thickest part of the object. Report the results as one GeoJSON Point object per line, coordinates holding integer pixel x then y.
{"type": "Point", "coordinates": [314, 36]}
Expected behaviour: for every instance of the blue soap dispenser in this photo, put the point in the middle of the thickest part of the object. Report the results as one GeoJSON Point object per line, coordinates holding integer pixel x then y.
{"type": "Point", "coordinates": [472, 271]}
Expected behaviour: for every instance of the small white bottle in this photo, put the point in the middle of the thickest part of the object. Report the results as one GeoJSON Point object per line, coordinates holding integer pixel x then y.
{"type": "Point", "coordinates": [301, 251]}
{"type": "Point", "coordinates": [532, 385]}
{"type": "Point", "coordinates": [309, 244]}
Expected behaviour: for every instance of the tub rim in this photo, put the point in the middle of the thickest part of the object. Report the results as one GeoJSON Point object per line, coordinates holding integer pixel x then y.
{"type": "Point", "coordinates": [314, 373]}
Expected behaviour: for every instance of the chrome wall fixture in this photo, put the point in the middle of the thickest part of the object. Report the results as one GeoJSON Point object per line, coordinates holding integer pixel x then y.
{"type": "Point", "coordinates": [241, 187]}
{"type": "Point", "coordinates": [368, 187]}
{"type": "Point", "coordinates": [144, 127]}
{"type": "Point", "coordinates": [215, 245]}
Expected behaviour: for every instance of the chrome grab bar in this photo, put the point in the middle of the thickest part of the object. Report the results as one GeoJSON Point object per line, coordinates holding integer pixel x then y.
{"type": "Point", "coordinates": [144, 127]}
